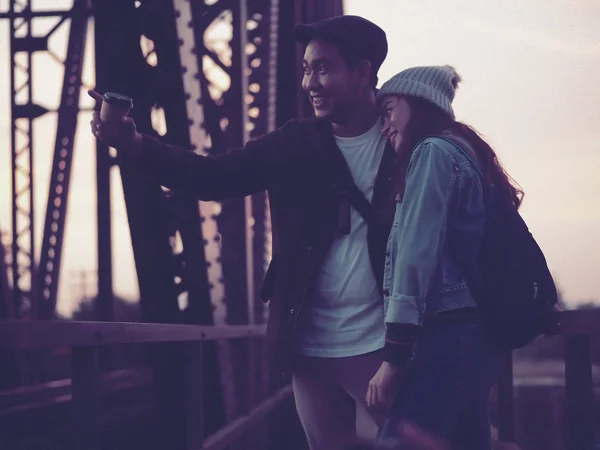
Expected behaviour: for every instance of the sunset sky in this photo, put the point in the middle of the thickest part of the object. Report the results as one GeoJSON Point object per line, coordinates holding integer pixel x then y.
{"type": "Point", "coordinates": [531, 85]}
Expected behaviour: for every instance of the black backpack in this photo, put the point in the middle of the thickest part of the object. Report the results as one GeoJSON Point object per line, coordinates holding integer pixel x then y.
{"type": "Point", "coordinates": [514, 291]}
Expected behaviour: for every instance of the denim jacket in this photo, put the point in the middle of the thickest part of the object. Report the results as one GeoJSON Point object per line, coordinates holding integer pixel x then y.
{"type": "Point", "coordinates": [438, 222]}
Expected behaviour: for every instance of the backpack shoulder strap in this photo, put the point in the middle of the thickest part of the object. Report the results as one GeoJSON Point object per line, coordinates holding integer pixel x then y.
{"type": "Point", "coordinates": [358, 200]}
{"type": "Point", "coordinates": [343, 183]}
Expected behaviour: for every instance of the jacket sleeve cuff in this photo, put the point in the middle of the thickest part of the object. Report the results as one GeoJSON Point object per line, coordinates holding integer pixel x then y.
{"type": "Point", "coordinates": [399, 341]}
{"type": "Point", "coordinates": [404, 309]}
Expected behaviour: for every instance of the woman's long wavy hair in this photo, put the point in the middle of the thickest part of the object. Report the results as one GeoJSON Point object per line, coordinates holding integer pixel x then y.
{"type": "Point", "coordinates": [429, 120]}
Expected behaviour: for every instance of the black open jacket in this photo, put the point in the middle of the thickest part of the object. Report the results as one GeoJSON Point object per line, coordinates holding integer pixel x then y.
{"type": "Point", "coordinates": [299, 165]}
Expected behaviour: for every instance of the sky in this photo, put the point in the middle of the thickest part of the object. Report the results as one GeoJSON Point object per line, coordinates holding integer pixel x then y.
{"type": "Point", "coordinates": [530, 86]}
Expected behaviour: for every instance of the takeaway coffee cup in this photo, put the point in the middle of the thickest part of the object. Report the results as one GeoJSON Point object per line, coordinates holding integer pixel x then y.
{"type": "Point", "coordinates": [114, 108]}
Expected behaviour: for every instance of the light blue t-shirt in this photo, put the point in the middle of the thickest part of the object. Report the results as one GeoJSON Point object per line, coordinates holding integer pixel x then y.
{"type": "Point", "coordinates": [346, 316]}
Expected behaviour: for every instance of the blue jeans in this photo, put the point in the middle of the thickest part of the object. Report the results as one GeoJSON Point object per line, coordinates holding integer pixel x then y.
{"type": "Point", "coordinates": [446, 386]}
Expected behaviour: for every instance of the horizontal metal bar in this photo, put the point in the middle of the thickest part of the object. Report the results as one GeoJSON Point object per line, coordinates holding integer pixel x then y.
{"type": "Point", "coordinates": [29, 398]}
{"type": "Point", "coordinates": [42, 389]}
{"type": "Point", "coordinates": [19, 335]}
{"type": "Point", "coordinates": [580, 322]}
{"type": "Point", "coordinates": [28, 14]}
{"type": "Point", "coordinates": [232, 432]}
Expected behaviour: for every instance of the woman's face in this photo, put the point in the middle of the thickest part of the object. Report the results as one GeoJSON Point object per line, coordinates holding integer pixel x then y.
{"type": "Point", "coordinates": [396, 113]}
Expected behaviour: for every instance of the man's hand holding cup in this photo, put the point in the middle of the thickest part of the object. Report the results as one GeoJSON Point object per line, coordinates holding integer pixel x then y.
{"type": "Point", "coordinates": [112, 125]}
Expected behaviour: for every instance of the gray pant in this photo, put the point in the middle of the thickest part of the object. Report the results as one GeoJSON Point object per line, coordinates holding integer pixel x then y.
{"type": "Point", "coordinates": [330, 396]}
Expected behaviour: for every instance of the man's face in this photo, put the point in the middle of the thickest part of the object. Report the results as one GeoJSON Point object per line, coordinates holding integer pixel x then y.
{"type": "Point", "coordinates": [330, 84]}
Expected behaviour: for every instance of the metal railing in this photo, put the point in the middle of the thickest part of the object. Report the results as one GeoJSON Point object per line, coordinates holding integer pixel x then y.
{"type": "Point", "coordinates": [577, 328]}
{"type": "Point", "coordinates": [85, 338]}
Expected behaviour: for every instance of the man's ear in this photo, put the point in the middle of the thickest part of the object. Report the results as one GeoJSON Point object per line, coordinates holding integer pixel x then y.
{"type": "Point", "coordinates": [364, 72]}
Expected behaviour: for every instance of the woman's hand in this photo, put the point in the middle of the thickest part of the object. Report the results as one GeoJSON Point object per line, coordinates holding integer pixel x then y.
{"type": "Point", "coordinates": [382, 385]}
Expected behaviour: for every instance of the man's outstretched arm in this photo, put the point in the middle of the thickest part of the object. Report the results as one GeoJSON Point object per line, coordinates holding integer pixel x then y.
{"type": "Point", "coordinates": [239, 172]}
{"type": "Point", "coordinates": [236, 173]}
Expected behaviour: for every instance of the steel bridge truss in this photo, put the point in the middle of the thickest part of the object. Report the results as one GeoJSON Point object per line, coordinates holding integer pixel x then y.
{"type": "Point", "coordinates": [33, 289]}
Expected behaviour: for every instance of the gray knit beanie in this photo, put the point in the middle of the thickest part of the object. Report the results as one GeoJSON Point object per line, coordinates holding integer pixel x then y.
{"type": "Point", "coordinates": [436, 84]}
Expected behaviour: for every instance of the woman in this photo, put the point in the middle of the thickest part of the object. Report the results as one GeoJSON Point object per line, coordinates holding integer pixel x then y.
{"type": "Point", "coordinates": [437, 353]}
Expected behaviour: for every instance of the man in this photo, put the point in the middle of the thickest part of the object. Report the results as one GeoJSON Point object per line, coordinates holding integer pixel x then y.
{"type": "Point", "coordinates": [326, 322]}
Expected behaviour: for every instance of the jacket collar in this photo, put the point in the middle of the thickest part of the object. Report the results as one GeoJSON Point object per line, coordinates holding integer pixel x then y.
{"type": "Point", "coordinates": [319, 133]}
